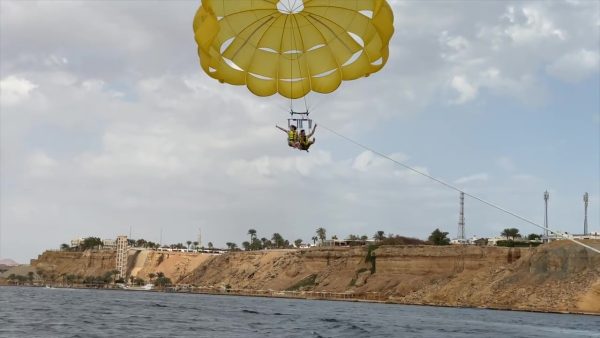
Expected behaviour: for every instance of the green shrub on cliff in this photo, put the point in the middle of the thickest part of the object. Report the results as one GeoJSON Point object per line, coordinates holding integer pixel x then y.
{"type": "Point", "coordinates": [370, 258]}
{"type": "Point", "coordinates": [162, 281]}
{"type": "Point", "coordinates": [438, 237]}
{"type": "Point", "coordinates": [513, 244]}
{"type": "Point", "coordinates": [306, 282]}
{"type": "Point", "coordinates": [90, 243]}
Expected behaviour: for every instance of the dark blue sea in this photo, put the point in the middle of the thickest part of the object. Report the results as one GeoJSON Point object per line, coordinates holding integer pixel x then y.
{"type": "Point", "coordinates": [41, 312]}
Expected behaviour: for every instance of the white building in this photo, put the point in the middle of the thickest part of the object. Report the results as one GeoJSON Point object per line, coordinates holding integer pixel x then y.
{"type": "Point", "coordinates": [77, 242]}
{"type": "Point", "coordinates": [121, 263]}
{"type": "Point", "coordinates": [566, 235]}
{"type": "Point", "coordinates": [494, 240]}
{"type": "Point", "coordinates": [109, 243]}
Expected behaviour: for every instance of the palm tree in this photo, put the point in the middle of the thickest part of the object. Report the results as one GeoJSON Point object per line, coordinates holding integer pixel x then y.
{"type": "Point", "coordinates": [252, 234]}
{"type": "Point", "coordinates": [30, 277]}
{"type": "Point", "coordinates": [188, 243]}
{"type": "Point", "coordinates": [256, 244]}
{"type": "Point", "coordinates": [278, 240]}
{"type": "Point", "coordinates": [314, 239]}
{"type": "Point", "coordinates": [210, 245]}
{"type": "Point", "coordinates": [196, 244]}
{"type": "Point", "coordinates": [246, 245]}
{"type": "Point", "coordinates": [321, 232]}
{"type": "Point", "coordinates": [510, 232]}
{"type": "Point", "coordinates": [268, 244]}
{"type": "Point", "coordinates": [379, 236]}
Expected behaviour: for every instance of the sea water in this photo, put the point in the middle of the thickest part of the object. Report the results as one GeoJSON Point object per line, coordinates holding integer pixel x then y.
{"type": "Point", "coordinates": [44, 312]}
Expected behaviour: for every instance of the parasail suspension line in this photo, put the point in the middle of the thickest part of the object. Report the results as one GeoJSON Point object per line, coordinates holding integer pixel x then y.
{"type": "Point", "coordinates": [297, 118]}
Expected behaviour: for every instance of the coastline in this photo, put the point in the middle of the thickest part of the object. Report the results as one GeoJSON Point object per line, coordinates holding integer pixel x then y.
{"type": "Point", "coordinates": [552, 278]}
{"type": "Point", "coordinates": [323, 296]}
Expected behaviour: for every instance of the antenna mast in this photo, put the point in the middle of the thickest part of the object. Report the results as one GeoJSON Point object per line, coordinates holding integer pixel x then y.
{"type": "Point", "coordinates": [461, 218]}
{"type": "Point", "coordinates": [546, 198]}
{"type": "Point", "coordinates": [585, 203]}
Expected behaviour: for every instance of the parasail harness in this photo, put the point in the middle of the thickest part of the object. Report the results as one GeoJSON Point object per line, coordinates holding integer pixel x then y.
{"type": "Point", "coordinates": [300, 120]}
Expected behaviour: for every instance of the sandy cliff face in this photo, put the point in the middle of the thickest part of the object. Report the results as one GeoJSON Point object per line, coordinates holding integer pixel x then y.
{"type": "Point", "coordinates": [557, 277]}
{"type": "Point", "coordinates": [175, 265]}
{"type": "Point", "coordinates": [560, 276]}
{"type": "Point", "coordinates": [76, 263]}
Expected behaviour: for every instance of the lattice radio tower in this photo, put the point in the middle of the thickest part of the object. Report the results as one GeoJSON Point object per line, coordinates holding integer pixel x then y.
{"type": "Point", "coordinates": [546, 198]}
{"type": "Point", "coordinates": [585, 203]}
{"type": "Point", "coordinates": [461, 217]}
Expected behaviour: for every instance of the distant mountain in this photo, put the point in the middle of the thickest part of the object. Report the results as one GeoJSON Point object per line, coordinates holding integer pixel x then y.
{"type": "Point", "coordinates": [8, 262]}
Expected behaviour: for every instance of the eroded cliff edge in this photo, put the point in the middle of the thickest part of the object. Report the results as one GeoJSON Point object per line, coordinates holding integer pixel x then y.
{"type": "Point", "coordinates": [559, 276]}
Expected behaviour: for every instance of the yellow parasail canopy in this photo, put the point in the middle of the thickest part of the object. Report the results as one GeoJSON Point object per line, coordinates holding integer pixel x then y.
{"type": "Point", "coordinates": [292, 47]}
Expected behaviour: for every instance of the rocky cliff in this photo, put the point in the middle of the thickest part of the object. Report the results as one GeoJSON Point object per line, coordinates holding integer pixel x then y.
{"type": "Point", "coordinates": [560, 276]}
{"type": "Point", "coordinates": [175, 265]}
{"type": "Point", "coordinates": [140, 263]}
{"type": "Point", "coordinates": [54, 264]}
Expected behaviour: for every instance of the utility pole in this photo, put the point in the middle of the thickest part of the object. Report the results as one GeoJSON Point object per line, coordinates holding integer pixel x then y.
{"type": "Point", "coordinates": [461, 217]}
{"type": "Point", "coordinates": [546, 198]}
{"type": "Point", "coordinates": [585, 203]}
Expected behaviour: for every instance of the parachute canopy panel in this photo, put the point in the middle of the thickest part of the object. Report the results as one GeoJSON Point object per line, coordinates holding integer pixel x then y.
{"type": "Point", "coordinates": [292, 47]}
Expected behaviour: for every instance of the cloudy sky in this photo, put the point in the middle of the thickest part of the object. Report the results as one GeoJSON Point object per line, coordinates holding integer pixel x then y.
{"type": "Point", "coordinates": [108, 124]}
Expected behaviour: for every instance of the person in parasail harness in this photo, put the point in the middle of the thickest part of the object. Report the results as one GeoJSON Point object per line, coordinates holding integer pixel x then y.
{"type": "Point", "coordinates": [305, 141]}
{"type": "Point", "coordinates": [293, 138]}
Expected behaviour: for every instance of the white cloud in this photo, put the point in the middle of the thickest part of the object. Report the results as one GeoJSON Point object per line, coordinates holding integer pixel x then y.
{"type": "Point", "coordinates": [54, 60]}
{"type": "Point", "coordinates": [250, 171]}
{"type": "Point", "coordinates": [41, 165]}
{"type": "Point", "coordinates": [152, 151]}
{"type": "Point", "coordinates": [367, 160]}
{"type": "Point", "coordinates": [14, 89]}
{"type": "Point", "coordinates": [466, 91]}
{"type": "Point", "coordinates": [575, 66]}
{"type": "Point", "coordinates": [472, 178]}
{"type": "Point", "coordinates": [363, 161]}
{"type": "Point", "coordinates": [534, 25]}
{"type": "Point", "coordinates": [93, 85]}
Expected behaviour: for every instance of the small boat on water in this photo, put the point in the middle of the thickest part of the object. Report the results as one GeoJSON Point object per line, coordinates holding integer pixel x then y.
{"type": "Point", "coordinates": [146, 287]}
